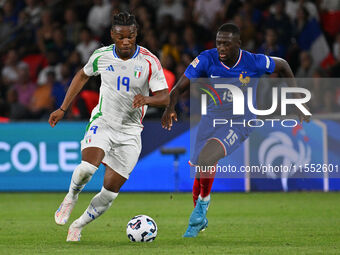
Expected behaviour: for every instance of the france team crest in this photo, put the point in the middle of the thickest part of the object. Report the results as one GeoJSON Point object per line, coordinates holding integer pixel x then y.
{"type": "Point", "coordinates": [138, 71]}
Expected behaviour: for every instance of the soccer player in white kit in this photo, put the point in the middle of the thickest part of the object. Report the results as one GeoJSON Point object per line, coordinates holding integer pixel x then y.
{"type": "Point", "coordinates": [128, 71]}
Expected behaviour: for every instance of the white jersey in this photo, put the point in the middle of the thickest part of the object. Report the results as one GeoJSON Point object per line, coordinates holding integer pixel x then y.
{"type": "Point", "coordinates": [121, 80]}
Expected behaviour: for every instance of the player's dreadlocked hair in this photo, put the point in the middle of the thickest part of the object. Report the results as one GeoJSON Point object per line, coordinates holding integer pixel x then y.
{"type": "Point", "coordinates": [230, 28]}
{"type": "Point", "coordinates": [124, 19]}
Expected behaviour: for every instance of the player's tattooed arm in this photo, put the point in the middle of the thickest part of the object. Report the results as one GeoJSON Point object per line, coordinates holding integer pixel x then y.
{"type": "Point", "coordinates": [77, 84]}
{"type": "Point", "coordinates": [159, 99]}
{"type": "Point", "coordinates": [283, 69]}
{"type": "Point", "coordinates": [170, 113]}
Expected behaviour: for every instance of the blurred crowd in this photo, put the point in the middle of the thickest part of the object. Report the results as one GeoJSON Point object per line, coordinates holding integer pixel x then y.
{"type": "Point", "coordinates": [43, 43]}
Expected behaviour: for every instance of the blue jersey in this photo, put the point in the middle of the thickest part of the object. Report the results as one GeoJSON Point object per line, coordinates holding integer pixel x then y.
{"type": "Point", "coordinates": [245, 73]}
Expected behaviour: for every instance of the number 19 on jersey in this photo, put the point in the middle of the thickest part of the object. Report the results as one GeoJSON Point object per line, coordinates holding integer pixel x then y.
{"type": "Point", "coordinates": [124, 81]}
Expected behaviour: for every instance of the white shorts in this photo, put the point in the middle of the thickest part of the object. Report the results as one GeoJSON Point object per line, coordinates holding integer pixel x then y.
{"type": "Point", "coordinates": [121, 150]}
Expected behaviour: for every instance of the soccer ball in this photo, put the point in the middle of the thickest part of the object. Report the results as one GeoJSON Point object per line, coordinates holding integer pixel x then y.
{"type": "Point", "coordinates": [141, 228]}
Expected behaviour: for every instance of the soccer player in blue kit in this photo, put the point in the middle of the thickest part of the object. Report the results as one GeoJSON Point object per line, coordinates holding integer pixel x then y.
{"type": "Point", "coordinates": [227, 60]}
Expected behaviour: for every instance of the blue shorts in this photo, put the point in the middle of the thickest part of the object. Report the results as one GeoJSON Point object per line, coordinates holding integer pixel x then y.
{"type": "Point", "coordinates": [229, 137]}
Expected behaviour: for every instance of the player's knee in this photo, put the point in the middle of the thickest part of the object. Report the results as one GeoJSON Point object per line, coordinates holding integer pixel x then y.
{"type": "Point", "coordinates": [108, 196]}
{"type": "Point", "coordinates": [204, 160]}
{"type": "Point", "coordinates": [211, 153]}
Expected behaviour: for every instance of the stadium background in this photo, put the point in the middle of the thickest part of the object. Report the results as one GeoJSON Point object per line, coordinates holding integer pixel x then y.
{"type": "Point", "coordinates": [43, 44]}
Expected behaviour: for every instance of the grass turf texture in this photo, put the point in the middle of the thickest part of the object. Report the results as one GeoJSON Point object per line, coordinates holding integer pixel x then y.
{"type": "Point", "coordinates": [255, 223]}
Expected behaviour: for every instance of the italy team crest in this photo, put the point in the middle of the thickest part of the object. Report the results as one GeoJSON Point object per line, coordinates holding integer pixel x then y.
{"type": "Point", "coordinates": [138, 71]}
{"type": "Point", "coordinates": [88, 139]}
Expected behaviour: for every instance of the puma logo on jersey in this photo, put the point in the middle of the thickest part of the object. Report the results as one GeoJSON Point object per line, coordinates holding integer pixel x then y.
{"type": "Point", "coordinates": [110, 68]}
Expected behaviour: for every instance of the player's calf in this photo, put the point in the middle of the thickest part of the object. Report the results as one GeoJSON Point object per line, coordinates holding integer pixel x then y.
{"type": "Point", "coordinates": [98, 205]}
{"type": "Point", "coordinates": [81, 175]}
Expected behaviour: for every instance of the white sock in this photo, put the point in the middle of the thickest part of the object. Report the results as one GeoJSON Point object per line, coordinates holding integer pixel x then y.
{"type": "Point", "coordinates": [205, 199]}
{"type": "Point", "coordinates": [80, 177]}
{"type": "Point", "coordinates": [98, 205]}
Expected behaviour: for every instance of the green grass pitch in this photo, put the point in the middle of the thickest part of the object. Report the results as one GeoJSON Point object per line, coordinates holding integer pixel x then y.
{"type": "Point", "coordinates": [254, 223]}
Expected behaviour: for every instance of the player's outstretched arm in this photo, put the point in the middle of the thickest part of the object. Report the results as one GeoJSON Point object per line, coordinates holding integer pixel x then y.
{"type": "Point", "coordinates": [170, 113]}
{"type": "Point", "coordinates": [77, 84]}
{"type": "Point", "coordinates": [283, 69]}
{"type": "Point", "coordinates": [159, 99]}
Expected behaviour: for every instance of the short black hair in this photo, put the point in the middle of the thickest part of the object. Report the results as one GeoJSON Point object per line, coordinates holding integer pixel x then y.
{"type": "Point", "coordinates": [124, 19]}
{"type": "Point", "coordinates": [230, 28]}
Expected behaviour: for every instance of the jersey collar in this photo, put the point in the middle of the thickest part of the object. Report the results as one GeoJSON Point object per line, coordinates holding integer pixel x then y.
{"type": "Point", "coordinates": [238, 61]}
{"type": "Point", "coordinates": [134, 55]}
